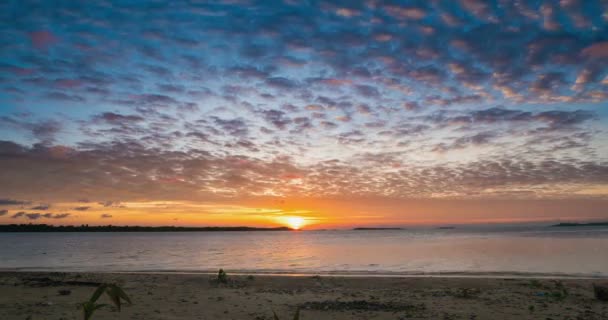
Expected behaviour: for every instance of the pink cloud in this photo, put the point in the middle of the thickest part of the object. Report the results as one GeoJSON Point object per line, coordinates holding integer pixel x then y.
{"type": "Point", "coordinates": [337, 82]}
{"type": "Point", "coordinates": [68, 83]}
{"type": "Point", "coordinates": [22, 71]}
{"type": "Point", "coordinates": [42, 39]}
{"type": "Point", "coordinates": [597, 50]}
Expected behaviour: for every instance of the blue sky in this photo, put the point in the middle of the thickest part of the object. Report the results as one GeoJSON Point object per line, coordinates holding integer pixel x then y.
{"type": "Point", "coordinates": [186, 100]}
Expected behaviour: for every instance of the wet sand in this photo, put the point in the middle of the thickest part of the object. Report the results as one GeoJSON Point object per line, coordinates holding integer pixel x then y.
{"type": "Point", "coordinates": [200, 296]}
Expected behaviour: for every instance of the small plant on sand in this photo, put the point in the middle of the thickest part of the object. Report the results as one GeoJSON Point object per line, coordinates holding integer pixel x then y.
{"type": "Point", "coordinates": [222, 276]}
{"type": "Point", "coordinates": [296, 316]}
{"type": "Point", "coordinates": [535, 284]}
{"type": "Point", "coordinates": [466, 293]}
{"type": "Point", "coordinates": [561, 291]}
{"type": "Point", "coordinates": [113, 291]}
{"type": "Point", "coordinates": [601, 292]}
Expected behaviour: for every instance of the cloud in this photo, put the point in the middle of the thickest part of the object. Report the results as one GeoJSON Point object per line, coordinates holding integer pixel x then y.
{"type": "Point", "coordinates": [3, 212]}
{"type": "Point", "coordinates": [105, 216]}
{"type": "Point", "coordinates": [498, 114]}
{"type": "Point", "coordinates": [367, 91]}
{"type": "Point", "coordinates": [558, 119]}
{"type": "Point", "coordinates": [61, 215]}
{"type": "Point", "coordinates": [30, 216]}
{"type": "Point", "coordinates": [115, 118]}
{"type": "Point", "coordinates": [11, 202]}
{"type": "Point", "coordinates": [44, 130]}
{"type": "Point", "coordinates": [478, 139]}
{"type": "Point", "coordinates": [277, 118]}
{"type": "Point", "coordinates": [36, 216]}
{"type": "Point", "coordinates": [398, 11]}
{"type": "Point", "coordinates": [596, 50]}
{"type": "Point", "coordinates": [41, 207]}
{"type": "Point", "coordinates": [234, 127]}
{"type": "Point", "coordinates": [281, 83]}
{"type": "Point", "coordinates": [82, 208]}
{"type": "Point", "coordinates": [353, 98]}
{"type": "Point", "coordinates": [42, 39]}
{"type": "Point", "coordinates": [250, 176]}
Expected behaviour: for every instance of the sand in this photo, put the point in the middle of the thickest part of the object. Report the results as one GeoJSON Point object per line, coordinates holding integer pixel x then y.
{"type": "Point", "coordinates": [199, 296]}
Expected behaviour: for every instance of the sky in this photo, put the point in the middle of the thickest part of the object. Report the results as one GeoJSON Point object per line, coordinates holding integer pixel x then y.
{"type": "Point", "coordinates": [327, 113]}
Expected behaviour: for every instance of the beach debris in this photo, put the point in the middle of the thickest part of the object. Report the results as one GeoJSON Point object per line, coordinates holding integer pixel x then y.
{"type": "Point", "coordinates": [113, 291]}
{"type": "Point", "coordinates": [64, 292]}
{"type": "Point", "coordinates": [48, 282]}
{"type": "Point", "coordinates": [335, 305]}
{"type": "Point", "coordinates": [467, 293]}
{"type": "Point", "coordinates": [601, 292]}
{"type": "Point", "coordinates": [558, 292]}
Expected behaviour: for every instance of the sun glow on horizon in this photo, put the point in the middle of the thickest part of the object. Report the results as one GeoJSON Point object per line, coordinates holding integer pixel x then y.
{"type": "Point", "coordinates": [295, 222]}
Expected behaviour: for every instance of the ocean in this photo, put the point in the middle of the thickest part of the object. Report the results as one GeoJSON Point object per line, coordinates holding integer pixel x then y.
{"type": "Point", "coordinates": [474, 251]}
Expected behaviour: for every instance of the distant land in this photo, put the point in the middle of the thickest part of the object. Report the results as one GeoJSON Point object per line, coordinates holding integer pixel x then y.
{"type": "Point", "coordinates": [362, 229]}
{"type": "Point", "coordinates": [446, 228]}
{"type": "Point", "coordinates": [110, 228]}
{"type": "Point", "coordinates": [574, 224]}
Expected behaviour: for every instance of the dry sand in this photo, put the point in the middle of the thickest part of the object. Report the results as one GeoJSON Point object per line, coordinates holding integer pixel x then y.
{"type": "Point", "coordinates": [198, 296]}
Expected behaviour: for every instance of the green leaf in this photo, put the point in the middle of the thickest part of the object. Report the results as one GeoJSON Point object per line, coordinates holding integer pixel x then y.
{"type": "Point", "coordinates": [99, 306]}
{"type": "Point", "coordinates": [89, 308]}
{"type": "Point", "coordinates": [114, 297]}
{"type": "Point", "coordinates": [114, 292]}
{"type": "Point", "coordinates": [123, 295]}
{"type": "Point", "coordinates": [98, 293]}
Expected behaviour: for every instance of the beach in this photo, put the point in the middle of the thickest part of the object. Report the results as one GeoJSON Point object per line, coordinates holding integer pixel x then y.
{"type": "Point", "coordinates": [44, 295]}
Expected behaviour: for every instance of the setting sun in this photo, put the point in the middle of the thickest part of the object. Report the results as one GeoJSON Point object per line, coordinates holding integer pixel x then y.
{"type": "Point", "coordinates": [295, 222]}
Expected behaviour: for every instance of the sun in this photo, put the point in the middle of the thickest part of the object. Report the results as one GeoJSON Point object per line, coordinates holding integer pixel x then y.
{"type": "Point", "coordinates": [295, 222]}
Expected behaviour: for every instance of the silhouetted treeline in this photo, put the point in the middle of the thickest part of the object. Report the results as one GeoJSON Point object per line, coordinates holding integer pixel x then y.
{"type": "Point", "coordinates": [110, 228]}
{"type": "Point", "coordinates": [574, 224]}
{"type": "Point", "coordinates": [364, 229]}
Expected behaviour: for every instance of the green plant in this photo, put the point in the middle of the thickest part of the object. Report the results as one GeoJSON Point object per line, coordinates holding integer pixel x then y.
{"type": "Point", "coordinates": [535, 283]}
{"type": "Point", "coordinates": [601, 292]}
{"type": "Point", "coordinates": [222, 276]}
{"type": "Point", "coordinates": [562, 291]}
{"type": "Point", "coordinates": [296, 316]}
{"type": "Point", "coordinates": [113, 291]}
{"type": "Point", "coordinates": [466, 293]}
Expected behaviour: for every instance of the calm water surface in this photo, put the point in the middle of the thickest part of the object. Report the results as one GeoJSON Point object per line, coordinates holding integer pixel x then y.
{"type": "Point", "coordinates": [579, 251]}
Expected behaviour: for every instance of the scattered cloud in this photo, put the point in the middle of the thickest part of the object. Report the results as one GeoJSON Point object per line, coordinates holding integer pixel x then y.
{"type": "Point", "coordinates": [11, 202]}
{"type": "Point", "coordinates": [289, 99]}
{"type": "Point", "coordinates": [36, 216]}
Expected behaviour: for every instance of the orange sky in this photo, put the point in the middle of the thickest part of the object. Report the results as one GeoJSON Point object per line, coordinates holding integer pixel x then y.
{"type": "Point", "coordinates": [318, 213]}
{"type": "Point", "coordinates": [359, 113]}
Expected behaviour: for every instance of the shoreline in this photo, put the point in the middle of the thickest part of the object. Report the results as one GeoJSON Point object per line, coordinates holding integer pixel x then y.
{"type": "Point", "coordinates": [336, 273]}
{"type": "Point", "coordinates": [44, 295]}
